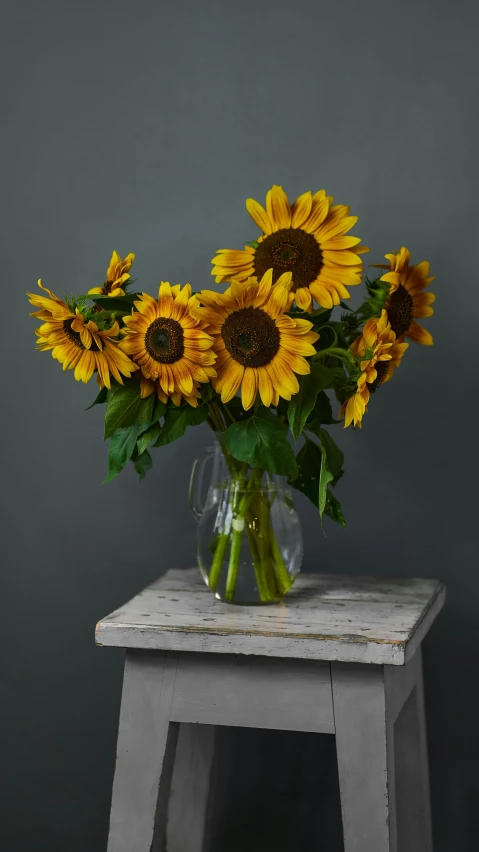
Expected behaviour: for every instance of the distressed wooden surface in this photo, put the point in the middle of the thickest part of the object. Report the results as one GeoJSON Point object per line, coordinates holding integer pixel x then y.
{"type": "Point", "coordinates": [324, 617]}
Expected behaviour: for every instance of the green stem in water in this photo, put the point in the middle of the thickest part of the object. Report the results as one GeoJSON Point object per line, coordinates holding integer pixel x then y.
{"type": "Point", "coordinates": [218, 559]}
{"type": "Point", "coordinates": [234, 560]}
{"type": "Point", "coordinates": [283, 577]}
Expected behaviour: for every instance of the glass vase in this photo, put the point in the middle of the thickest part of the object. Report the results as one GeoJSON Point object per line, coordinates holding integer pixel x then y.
{"type": "Point", "coordinates": [249, 539]}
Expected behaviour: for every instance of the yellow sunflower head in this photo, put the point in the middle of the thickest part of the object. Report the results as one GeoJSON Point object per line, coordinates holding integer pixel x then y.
{"type": "Point", "coordinates": [379, 353]}
{"type": "Point", "coordinates": [169, 344]}
{"type": "Point", "coordinates": [78, 343]}
{"type": "Point", "coordinates": [308, 239]}
{"type": "Point", "coordinates": [407, 301]}
{"type": "Point", "coordinates": [259, 348]}
{"type": "Point", "coordinates": [117, 274]}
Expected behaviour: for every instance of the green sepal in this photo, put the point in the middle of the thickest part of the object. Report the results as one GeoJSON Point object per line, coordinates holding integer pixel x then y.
{"type": "Point", "coordinates": [125, 407]}
{"type": "Point", "coordinates": [100, 399]}
{"type": "Point", "coordinates": [261, 441]}
{"type": "Point", "coordinates": [344, 385]}
{"type": "Point", "coordinates": [253, 243]}
{"type": "Point", "coordinates": [177, 420]}
{"type": "Point", "coordinates": [303, 402]}
{"type": "Point", "coordinates": [118, 304]}
{"type": "Point", "coordinates": [378, 295]}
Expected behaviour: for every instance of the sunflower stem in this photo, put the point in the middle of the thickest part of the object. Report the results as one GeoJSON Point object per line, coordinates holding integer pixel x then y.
{"type": "Point", "coordinates": [218, 559]}
{"type": "Point", "coordinates": [234, 560]}
{"type": "Point", "coordinates": [335, 352]}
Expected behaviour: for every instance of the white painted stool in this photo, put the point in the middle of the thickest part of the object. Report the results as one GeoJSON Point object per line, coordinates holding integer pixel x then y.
{"type": "Point", "coordinates": [340, 655]}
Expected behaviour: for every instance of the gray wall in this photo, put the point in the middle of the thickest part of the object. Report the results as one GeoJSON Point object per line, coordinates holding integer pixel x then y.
{"type": "Point", "coordinates": [143, 127]}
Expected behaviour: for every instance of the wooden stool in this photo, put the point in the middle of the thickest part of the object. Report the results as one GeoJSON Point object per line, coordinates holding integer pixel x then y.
{"type": "Point", "coordinates": [340, 655]}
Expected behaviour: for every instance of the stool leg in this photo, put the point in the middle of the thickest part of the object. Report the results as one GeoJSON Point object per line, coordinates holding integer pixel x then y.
{"type": "Point", "coordinates": [365, 754]}
{"type": "Point", "coordinates": [192, 790]}
{"type": "Point", "coordinates": [412, 769]}
{"type": "Point", "coordinates": [145, 754]}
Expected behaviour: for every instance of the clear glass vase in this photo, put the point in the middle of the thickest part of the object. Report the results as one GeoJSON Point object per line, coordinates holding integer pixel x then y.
{"type": "Point", "coordinates": [250, 545]}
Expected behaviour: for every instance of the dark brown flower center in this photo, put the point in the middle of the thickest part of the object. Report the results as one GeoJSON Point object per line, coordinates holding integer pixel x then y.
{"type": "Point", "coordinates": [399, 307]}
{"type": "Point", "coordinates": [290, 250]}
{"type": "Point", "coordinates": [164, 340]}
{"type": "Point", "coordinates": [251, 337]}
{"type": "Point", "coordinates": [382, 368]}
{"type": "Point", "coordinates": [75, 338]}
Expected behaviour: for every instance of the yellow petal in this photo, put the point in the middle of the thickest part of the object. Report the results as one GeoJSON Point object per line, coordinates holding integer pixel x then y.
{"type": "Point", "coordinates": [301, 209]}
{"type": "Point", "coordinates": [419, 334]}
{"type": "Point", "coordinates": [265, 386]}
{"type": "Point", "coordinates": [277, 208]}
{"type": "Point", "coordinates": [233, 377]}
{"type": "Point", "coordinates": [259, 215]}
{"type": "Point", "coordinates": [249, 387]}
{"type": "Point", "coordinates": [303, 299]}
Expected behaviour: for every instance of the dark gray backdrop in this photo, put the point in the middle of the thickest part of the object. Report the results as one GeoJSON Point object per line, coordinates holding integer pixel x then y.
{"type": "Point", "coordinates": [143, 127]}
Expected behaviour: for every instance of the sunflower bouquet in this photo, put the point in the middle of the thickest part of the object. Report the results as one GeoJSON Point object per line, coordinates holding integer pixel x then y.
{"type": "Point", "coordinates": [259, 362]}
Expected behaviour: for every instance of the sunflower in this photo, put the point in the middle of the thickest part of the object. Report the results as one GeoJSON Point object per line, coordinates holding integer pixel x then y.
{"type": "Point", "coordinates": [380, 353]}
{"type": "Point", "coordinates": [78, 343]}
{"type": "Point", "coordinates": [307, 239]}
{"type": "Point", "coordinates": [406, 300]}
{"type": "Point", "coordinates": [117, 274]}
{"type": "Point", "coordinates": [259, 348]}
{"type": "Point", "coordinates": [169, 344]}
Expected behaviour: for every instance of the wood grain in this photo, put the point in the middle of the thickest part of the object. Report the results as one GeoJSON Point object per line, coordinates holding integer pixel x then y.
{"type": "Point", "coordinates": [325, 617]}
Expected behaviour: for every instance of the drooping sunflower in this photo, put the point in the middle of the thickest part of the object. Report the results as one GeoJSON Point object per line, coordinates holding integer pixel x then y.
{"type": "Point", "coordinates": [169, 344]}
{"type": "Point", "coordinates": [407, 301]}
{"type": "Point", "coordinates": [259, 348]}
{"type": "Point", "coordinates": [78, 343]}
{"type": "Point", "coordinates": [308, 239]}
{"type": "Point", "coordinates": [117, 274]}
{"type": "Point", "coordinates": [380, 353]}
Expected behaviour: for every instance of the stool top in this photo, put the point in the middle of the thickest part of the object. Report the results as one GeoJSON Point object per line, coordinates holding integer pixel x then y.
{"type": "Point", "coordinates": [324, 617]}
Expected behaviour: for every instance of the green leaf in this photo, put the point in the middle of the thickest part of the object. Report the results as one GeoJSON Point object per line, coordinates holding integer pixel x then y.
{"type": "Point", "coordinates": [302, 403]}
{"type": "Point", "coordinates": [147, 438]}
{"type": "Point", "coordinates": [116, 303]}
{"type": "Point", "coordinates": [159, 409]}
{"type": "Point", "coordinates": [334, 456]}
{"type": "Point", "coordinates": [143, 463]}
{"type": "Point", "coordinates": [333, 509]}
{"type": "Point", "coordinates": [322, 413]}
{"type": "Point", "coordinates": [121, 448]}
{"type": "Point", "coordinates": [261, 441]}
{"type": "Point", "coordinates": [125, 407]}
{"type": "Point", "coordinates": [309, 467]}
{"type": "Point", "coordinates": [100, 398]}
{"type": "Point", "coordinates": [325, 477]}
{"type": "Point", "coordinates": [177, 420]}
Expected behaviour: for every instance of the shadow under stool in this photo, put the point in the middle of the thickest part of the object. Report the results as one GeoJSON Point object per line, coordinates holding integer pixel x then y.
{"type": "Point", "coordinates": [340, 655]}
